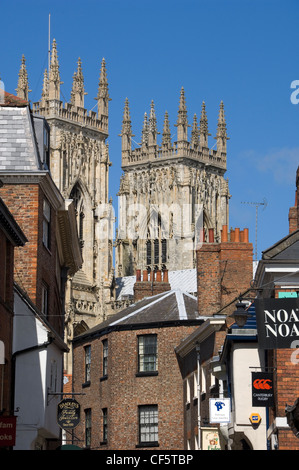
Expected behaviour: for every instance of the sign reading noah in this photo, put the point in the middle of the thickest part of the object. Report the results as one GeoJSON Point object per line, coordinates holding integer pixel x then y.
{"type": "Point", "coordinates": [277, 322]}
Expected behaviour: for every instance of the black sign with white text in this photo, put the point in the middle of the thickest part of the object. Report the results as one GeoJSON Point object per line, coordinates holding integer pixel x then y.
{"type": "Point", "coordinates": [262, 389]}
{"type": "Point", "coordinates": [277, 322]}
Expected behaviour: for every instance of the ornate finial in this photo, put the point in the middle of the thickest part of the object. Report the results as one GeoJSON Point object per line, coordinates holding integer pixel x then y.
{"type": "Point", "coordinates": [126, 127]}
{"type": "Point", "coordinates": [78, 93]}
{"type": "Point", "coordinates": [166, 135]}
{"type": "Point", "coordinates": [126, 131]}
{"type": "Point", "coordinates": [203, 127]}
{"type": "Point", "coordinates": [152, 125]}
{"type": "Point", "coordinates": [54, 76]}
{"type": "Point", "coordinates": [23, 88]}
{"type": "Point", "coordinates": [144, 141]}
{"type": "Point", "coordinates": [45, 90]}
{"type": "Point", "coordinates": [195, 132]}
{"type": "Point", "coordinates": [221, 135]}
{"type": "Point", "coordinates": [182, 121]}
{"type": "Point", "coordinates": [103, 83]}
{"type": "Point", "coordinates": [103, 96]}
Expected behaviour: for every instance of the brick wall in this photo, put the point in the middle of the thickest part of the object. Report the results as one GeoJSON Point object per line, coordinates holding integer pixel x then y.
{"type": "Point", "coordinates": [35, 264]}
{"type": "Point", "coordinates": [152, 283]}
{"type": "Point", "coordinates": [287, 390]}
{"type": "Point", "coordinates": [122, 391]}
{"type": "Point", "coordinates": [6, 321]}
{"type": "Point", "coordinates": [225, 270]}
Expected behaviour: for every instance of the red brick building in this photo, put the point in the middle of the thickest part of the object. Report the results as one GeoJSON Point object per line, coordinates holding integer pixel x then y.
{"type": "Point", "coordinates": [11, 236]}
{"type": "Point", "coordinates": [277, 278]}
{"type": "Point", "coordinates": [41, 267]}
{"type": "Point", "coordinates": [127, 369]}
{"type": "Point", "coordinates": [225, 270]}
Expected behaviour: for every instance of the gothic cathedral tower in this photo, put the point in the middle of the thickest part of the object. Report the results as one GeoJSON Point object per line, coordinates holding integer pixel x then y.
{"type": "Point", "coordinates": [79, 164]}
{"type": "Point", "coordinates": [171, 195]}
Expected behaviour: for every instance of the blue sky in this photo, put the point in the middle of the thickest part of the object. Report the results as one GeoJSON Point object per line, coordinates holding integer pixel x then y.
{"type": "Point", "coordinates": [239, 51]}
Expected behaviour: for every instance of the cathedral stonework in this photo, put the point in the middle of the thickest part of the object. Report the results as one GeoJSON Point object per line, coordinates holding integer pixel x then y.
{"type": "Point", "coordinates": [170, 194]}
{"type": "Point", "coordinates": [79, 164]}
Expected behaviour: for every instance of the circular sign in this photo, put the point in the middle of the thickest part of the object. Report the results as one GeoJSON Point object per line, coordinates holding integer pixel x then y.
{"type": "Point", "coordinates": [68, 413]}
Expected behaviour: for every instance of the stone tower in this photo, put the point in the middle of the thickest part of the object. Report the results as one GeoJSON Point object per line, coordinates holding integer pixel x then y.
{"type": "Point", "coordinates": [79, 164]}
{"type": "Point", "coordinates": [170, 193]}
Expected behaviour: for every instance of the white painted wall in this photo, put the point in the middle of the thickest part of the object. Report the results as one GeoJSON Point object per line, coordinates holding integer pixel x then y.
{"type": "Point", "coordinates": [245, 358]}
{"type": "Point", "coordinates": [35, 411]}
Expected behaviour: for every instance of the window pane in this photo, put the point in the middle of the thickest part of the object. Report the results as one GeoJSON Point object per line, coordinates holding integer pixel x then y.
{"type": "Point", "coordinates": [88, 427]}
{"type": "Point", "coordinates": [46, 223]}
{"type": "Point", "coordinates": [87, 363]}
{"type": "Point", "coordinates": [105, 357]}
{"type": "Point", "coordinates": [148, 424]}
{"type": "Point", "coordinates": [147, 353]}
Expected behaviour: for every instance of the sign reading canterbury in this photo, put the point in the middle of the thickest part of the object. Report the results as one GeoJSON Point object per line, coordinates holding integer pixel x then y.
{"type": "Point", "coordinates": [68, 413]}
{"type": "Point", "coordinates": [277, 322]}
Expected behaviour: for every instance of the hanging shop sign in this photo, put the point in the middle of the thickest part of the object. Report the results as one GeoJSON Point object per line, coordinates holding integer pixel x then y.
{"type": "Point", "coordinates": [262, 389]}
{"type": "Point", "coordinates": [8, 431]}
{"type": "Point", "coordinates": [68, 413]}
{"type": "Point", "coordinates": [277, 322]}
{"type": "Point", "coordinates": [219, 410]}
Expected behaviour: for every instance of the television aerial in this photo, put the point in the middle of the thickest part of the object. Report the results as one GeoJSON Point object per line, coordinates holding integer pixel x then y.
{"type": "Point", "coordinates": [257, 205]}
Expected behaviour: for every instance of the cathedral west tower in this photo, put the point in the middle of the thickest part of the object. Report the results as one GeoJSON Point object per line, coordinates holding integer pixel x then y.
{"type": "Point", "coordinates": [171, 194]}
{"type": "Point", "coordinates": [79, 164]}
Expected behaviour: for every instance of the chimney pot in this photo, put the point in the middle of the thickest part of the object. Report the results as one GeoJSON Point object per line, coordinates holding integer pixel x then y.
{"type": "Point", "coordinates": [224, 233]}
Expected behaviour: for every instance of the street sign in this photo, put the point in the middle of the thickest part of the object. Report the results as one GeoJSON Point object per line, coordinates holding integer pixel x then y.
{"type": "Point", "coordinates": [7, 431]}
{"type": "Point", "coordinates": [68, 413]}
{"type": "Point", "coordinates": [219, 410]}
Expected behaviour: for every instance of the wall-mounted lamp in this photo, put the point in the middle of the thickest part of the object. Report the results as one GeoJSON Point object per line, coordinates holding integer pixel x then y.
{"type": "Point", "coordinates": [240, 315]}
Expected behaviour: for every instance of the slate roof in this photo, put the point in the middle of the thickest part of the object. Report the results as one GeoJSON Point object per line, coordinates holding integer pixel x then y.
{"type": "Point", "coordinates": [171, 307]}
{"type": "Point", "coordinates": [18, 147]}
{"type": "Point", "coordinates": [184, 279]}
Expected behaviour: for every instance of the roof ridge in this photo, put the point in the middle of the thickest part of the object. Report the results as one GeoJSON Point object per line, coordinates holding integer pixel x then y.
{"type": "Point", "coordinates": [161, 297]}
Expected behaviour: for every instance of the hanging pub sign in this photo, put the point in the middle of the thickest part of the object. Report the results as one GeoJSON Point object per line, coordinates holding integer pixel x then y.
{"type": "Point", "coordinates": [68, 413]}
{"type": "Point", "coordinates": [277, 322]}
{"type": "Point", "coordinates": [262, 389]}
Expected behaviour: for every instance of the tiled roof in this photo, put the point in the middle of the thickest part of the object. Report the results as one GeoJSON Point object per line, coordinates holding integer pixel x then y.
{"type": "Point", "coordinates": [7, 99]}
{"type": "Point", "coordinates": [182, 279]}
{"type": "Point", "coordinates": [169, 307]}
{"type": "Point", "coordinates": [18, 148]}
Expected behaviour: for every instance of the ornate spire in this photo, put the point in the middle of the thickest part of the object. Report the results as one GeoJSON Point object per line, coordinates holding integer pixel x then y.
{"type": "Point", "coordinates": [195, 133]}
{"type": "Point", "coordinates": [166, 135]}
{"type": "Point", "coordinates": [221, 135]}
{"type": "Point", "coordinates": [152, 128]}
{"type": "Point", "coordinates": [54, 76]}
{"type": "Point", "coordinates": [182, 121]}
{"type": "Point", "coordinates": [126, 131]}
{"type": "Point", "coordinates": [203, 127]}
{"type": "Point", "coordinates": [78, 93]}
{"type": "Point", "coordinates": [144, 141]}
{"type": "Point", "coordinates": [103, 95]}
{"type": "Point", "coordinates": [45, 90]}
{"type": "Point", "coordinates": [23, 88]}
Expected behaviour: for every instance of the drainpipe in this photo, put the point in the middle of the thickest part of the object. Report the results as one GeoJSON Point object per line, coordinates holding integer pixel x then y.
{"type": "Point", "coordinates": [198, 395]}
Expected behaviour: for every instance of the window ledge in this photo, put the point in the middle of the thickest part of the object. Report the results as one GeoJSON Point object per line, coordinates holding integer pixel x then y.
{"type": "Point", "coordinates": [86, 384]}
{"type": "Point", "coordinates": [147, 373]}
{"type": "Point", "coordinates": [104, 377]}
{"type": "Point", "coordinates": [148, 444]}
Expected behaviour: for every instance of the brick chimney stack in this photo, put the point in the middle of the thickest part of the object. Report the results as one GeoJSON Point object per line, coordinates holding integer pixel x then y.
{"type": "Point", "coordinates": [223, 269]}
{"type": "Point", "coordinates": [294, 211]}
{"type": "Point", "coordinates": [150, 283]}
